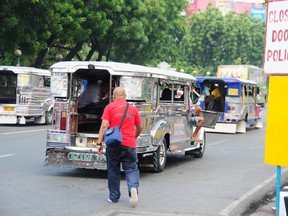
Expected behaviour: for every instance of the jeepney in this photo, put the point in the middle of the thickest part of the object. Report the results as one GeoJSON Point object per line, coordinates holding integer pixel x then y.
{"type": "Point", "coordinates": [247, 72]}
{"type": "Point", "coordinates": [166, 130]}
{"type": "Point", "coordinates": [237, 105]}
{"type": "Point", "coordinates": [25, 95]}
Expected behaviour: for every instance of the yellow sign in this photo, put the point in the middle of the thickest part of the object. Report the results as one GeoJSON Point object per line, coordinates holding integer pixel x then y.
{"type": "Point", "coordinates": [24, 79]}
{"type": "Point", "coordinates": [232, 91]}
{"type": "Point", "coordinates": [8, 108]}
{"type": "Point", "coordinates": [276, 148]}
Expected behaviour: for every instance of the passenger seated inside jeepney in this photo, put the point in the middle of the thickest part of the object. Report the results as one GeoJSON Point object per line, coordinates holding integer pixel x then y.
{"type": "Point", "coordinates": [166, 94]}
{"type": "Point", "coordinates": [91, 101]}
{"type": "Point", "coordinates": [212, 100]}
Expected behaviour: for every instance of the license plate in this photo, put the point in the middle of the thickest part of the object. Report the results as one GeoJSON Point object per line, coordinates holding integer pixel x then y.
{"type": "Point", "coordinates": [8, 108]}
{"type": "Point", "coordinates": [76, 156]}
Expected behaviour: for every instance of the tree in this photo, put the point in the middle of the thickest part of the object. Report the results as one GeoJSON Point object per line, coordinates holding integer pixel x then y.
{"type": "Point", "coordinates": [214, 39]}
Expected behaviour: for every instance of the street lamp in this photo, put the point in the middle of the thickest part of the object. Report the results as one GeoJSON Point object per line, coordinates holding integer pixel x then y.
{"type": "Point", "coordinates": [18, 53]}
{"type": "Point", "coordinates": [208, 73]}
{"type": "Point", "coordinates": [194, 73]}
{"type": "Point", "coordinates": [58, 57]}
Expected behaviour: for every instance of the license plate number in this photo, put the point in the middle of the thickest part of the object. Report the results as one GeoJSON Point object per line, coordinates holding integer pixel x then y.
{"type": "Point", "coordinates": [8, 108]}
{"type": "Point", "coordinates": [76, 156]}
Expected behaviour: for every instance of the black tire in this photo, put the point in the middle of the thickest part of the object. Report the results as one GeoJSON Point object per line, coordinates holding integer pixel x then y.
{"type": "Point", "coordinates": [48, 117]}
{"type": "Point", "coordinates": [160, 157]}
{"type": "Point", "coordinates": [199, 153]}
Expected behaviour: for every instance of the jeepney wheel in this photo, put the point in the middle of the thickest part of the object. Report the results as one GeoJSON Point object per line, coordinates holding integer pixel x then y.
{"type": "Point", "coordinates": [199, 153]}
{"type": "Point", "coordinates": [48, 117]}
{"type": "Point", "coordinates": [160, 157]}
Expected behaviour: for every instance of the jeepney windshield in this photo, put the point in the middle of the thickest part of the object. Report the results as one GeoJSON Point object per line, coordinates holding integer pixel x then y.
{"type": "Point", "coordinates": [59, 84]}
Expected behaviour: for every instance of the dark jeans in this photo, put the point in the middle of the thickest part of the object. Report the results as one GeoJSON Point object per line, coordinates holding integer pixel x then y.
{"type": "Point", "coordinates": [128, 158]}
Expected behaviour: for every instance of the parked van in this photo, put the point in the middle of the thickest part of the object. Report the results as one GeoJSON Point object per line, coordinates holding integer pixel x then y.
{"type": "Point", "coordinates": [25, 95]}
{"type": "Point", "coordinates": [153, 91]}
{"type": "Point", "coordinates": [235, 102]}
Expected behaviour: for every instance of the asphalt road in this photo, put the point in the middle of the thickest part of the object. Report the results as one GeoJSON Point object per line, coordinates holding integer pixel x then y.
{"type": "Point", "coordinates": [230, 179]}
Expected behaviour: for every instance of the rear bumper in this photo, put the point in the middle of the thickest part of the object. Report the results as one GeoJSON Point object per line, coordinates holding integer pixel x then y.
{"type": "Point", "coordinates": [8, 119]}
{"type": "Point", "coordinates": [75, 159]}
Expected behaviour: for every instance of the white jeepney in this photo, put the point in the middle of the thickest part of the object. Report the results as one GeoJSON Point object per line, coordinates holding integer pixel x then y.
{"type": "Point", "coordinates": [25, 95]}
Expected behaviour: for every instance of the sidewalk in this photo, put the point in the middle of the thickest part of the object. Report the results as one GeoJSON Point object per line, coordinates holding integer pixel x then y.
{"type": "Point", "coordinates": [266, 209]}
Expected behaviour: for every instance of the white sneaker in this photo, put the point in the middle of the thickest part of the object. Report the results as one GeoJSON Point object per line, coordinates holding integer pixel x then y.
{"type": "Point", "coordinates": [109, 200]}
{"type": "Point", "coordinates": [134, 197]}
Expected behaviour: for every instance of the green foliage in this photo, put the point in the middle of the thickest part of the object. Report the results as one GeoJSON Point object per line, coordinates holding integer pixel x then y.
{"type": "Point", "coordinates": [214, 39]}
{"type": "Point", "coordinates": [144, 32]}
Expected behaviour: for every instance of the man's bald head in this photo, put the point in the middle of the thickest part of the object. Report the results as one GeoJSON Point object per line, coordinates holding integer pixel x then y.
{"type": "Point", "coordinates": [119, 93]}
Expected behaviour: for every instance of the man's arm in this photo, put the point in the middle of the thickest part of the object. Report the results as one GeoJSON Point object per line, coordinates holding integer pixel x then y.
{"type": "Point", "coordinates": [138, 130]}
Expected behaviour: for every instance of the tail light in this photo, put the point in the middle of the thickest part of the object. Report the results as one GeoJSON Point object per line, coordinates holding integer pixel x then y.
{"type": "Point", "coordinates": [24, 99]}
{"type": "Point", "coordinates": [63, 121]}
{"type": "Point", "coordinates": [231, 108]}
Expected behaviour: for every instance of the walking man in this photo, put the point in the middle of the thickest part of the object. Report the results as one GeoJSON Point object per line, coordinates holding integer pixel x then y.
{"type": "Point", "coordinates": [126, 152]}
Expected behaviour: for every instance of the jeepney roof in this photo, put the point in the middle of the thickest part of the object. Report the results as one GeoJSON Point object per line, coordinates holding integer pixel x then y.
{"type": "Point", "coordinates": [117, 68]}
{"type": "Point", "coordinates": [225, 79]}
{"type": "Point", "coordinates": [26, 70]}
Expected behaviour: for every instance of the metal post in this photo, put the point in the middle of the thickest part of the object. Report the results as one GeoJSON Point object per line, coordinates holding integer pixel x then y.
{"type": "Point", "coordinates": [17, 53]}
{"type": "Point", "coordinates": [278, 187]}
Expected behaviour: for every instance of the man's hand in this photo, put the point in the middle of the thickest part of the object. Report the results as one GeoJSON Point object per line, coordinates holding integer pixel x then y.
{"type": "Point", "coordinates": [100, 149]}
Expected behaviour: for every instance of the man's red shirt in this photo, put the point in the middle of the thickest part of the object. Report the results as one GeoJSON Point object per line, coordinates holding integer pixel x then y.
{"type": "Point", "coordinates": [114, 112]}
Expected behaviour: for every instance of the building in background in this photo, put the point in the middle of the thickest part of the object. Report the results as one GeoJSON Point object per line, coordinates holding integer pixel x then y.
{"type": "Point", "coordinates": [254, 8]}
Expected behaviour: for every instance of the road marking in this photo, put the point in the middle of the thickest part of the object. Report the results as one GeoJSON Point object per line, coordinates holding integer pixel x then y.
{"type": "Point", "coordinates": [18, 132]}
{"type": "Point", "coordinates": [228, 209]}
{"type": "Point", "coordinates": [218, 142]}
{"type": "Point", "coordinates": [7, 155]}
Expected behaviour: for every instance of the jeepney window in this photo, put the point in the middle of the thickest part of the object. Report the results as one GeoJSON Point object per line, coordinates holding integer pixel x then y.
{"type": "Point", "coordinates": [23, 80]}
{"type": "Point", "coordinates": [59, 84]}
{"type": "Point", "coordinates": [12, 81]}
{"type": "Point", "coordinates": [249, 90]}
{"type": "Point", "coordinates": [47, 81]}
{"type": "Point", "coordinates": [40, 81]}
{"type": "Point", "coordinates": [167, 92]}
{"type": "Point", "coordinates": [134, 87]}
{"type": "Point", "coordinates": [3, 80]}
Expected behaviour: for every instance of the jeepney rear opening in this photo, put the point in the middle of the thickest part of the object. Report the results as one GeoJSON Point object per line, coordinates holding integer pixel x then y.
{"type": "Point", "coordinates": [8, 84]}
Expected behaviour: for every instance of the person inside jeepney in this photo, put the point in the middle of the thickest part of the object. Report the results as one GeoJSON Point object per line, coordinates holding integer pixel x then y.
{"type": "Point", "coordinates": [216, 95]}
{"type": "Point", "coordinates": [166, 94]}
{"type": "Point", "coordinates": [208, 99]}
{"type": "Point", "coordinates": [90, 100]}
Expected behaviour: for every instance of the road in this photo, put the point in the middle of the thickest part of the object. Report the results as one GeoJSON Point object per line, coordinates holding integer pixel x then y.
{"type": "Point", "coordinates": [229, 177]}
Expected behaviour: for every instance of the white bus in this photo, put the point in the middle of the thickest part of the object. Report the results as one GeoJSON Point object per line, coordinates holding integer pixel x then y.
{"type": "Point", "coordinates": [166, 130]}
{"type": "Point", "coordinates": [25, 95]}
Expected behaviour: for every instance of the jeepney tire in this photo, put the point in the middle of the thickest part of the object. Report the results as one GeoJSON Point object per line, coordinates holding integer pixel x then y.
{"type": "Point", "coordinates": [48, 117]}
{"type": "Point", "coordinates": [160, 157]}
{"type": "Point", "coordinates": [199, 153]}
